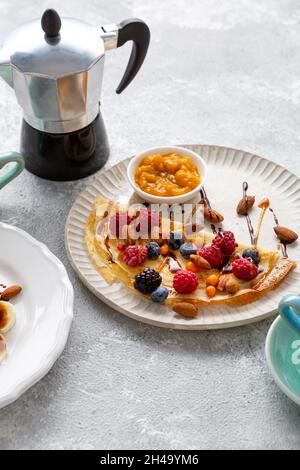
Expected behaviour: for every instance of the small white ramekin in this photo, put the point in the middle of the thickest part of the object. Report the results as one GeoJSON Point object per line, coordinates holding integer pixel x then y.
{"type": "Point", "coordinates": [135, 161]}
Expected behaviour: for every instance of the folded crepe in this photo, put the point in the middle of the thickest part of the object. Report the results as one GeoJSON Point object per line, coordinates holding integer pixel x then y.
{"type": "Point", "coordinates": [108, 260]}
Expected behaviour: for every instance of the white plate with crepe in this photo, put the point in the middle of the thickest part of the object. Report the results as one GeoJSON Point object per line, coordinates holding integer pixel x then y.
{"type": "Point", "coordinates": [44, 311]}
{"type": "Point", "coordinates": [227, 170]}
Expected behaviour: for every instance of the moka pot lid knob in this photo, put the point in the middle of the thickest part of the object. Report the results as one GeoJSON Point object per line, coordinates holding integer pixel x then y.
{"type": "Point", "coordinates": [51, 23]}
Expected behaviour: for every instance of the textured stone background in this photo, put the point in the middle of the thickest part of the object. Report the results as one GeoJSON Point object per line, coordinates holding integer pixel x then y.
{"type": "Point", "coordinates": [220, 72]}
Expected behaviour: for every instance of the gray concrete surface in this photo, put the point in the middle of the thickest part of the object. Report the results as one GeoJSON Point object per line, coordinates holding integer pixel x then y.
{"type": "Point", "coordinates": [221, 72]}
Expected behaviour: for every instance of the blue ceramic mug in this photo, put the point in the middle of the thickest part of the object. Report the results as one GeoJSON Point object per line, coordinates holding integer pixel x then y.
{"type": "Point", "coordinates": [14, 170]}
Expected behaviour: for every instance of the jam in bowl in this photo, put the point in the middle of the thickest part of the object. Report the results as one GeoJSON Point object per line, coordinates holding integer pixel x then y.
{"type": "Point", "coordinates": [169, 175]}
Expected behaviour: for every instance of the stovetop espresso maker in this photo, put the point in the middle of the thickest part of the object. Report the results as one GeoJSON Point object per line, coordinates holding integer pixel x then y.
{"type": "Point", "coordinates": [55, 67]}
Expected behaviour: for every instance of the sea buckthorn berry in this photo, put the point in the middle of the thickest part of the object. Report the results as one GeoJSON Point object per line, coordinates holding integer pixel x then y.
{"type": "Point", "coordinates": [190, 266]}
{"type": "Point", "coordinates": [164, 250]}
{"type": "Point", "coordinates": [211, 291]}
{"type": "Point", "coordinates": [212, 280]}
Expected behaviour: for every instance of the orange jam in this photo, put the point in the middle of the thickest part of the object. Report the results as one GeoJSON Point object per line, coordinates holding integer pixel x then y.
{"type": "Point", "coordinates": [167, 175]}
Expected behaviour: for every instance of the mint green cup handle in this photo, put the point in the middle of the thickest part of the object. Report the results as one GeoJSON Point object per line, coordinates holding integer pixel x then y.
{"type": "Point", "coordinates": [12, 172]}
{"type": "Point", "coordinates": [289, 309]}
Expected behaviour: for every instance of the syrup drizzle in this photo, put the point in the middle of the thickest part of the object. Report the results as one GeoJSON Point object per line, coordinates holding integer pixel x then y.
{"type": "Point", "coordinates": [249, 222]}
{"type": "Point", "coordinates": [107, 244]}
{"type": "Point", "coordinates": [204, 197]}
{"type": "Point", "coordinates": [264, 205]}
{"type": "Point", "coordinates": [283, 245]}
{"type": "Point", "coordinates": [274, 215]}
{"type": "Point", "coordinates": [214, 230]}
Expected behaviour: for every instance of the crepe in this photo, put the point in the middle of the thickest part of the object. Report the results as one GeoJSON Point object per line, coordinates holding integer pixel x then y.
{"type": "Point", "coordinates": [107, 259]}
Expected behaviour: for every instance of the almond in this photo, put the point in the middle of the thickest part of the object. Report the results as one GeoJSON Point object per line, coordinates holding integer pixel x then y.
{"type": "Point", "coordinates": [201, 262]}
{"type": "Point", "coordinates": [232, 286]}
{"type": "Point", "coordinates": [285, 235]}
{"type": "Point", "coordinates": [186, 309]}
{"type": "Point", "coordinates": [212, 215]}
{"type": "Point", "coordinates": [245, 205]}
{"type": "Point", "coordinates": [10, 292]}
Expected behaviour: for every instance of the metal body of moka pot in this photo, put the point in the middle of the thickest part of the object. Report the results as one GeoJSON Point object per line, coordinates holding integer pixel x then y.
{"type": "Point", "coordinates": [56, 67]}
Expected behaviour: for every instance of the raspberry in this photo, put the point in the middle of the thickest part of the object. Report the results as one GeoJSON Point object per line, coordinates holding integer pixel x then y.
{"type": "Point", "coordinates": [147, 281]}
{"type": "Point", "coordinates": [226, 242]}
{"type": "Point", "coordinates": [213, 255]}
{"type": "Point", "coordinates": [117, 222]}
{"type": "Point", "coordinates": [135, 255]}
{"type": "Point", "coordinates": [185, 282]}
{"type": "Point", "coordinates": [244, 269]}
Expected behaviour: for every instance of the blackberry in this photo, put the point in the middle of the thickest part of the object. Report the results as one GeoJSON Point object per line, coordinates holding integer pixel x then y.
{"type": "Point", "coordinates": [147, 281]}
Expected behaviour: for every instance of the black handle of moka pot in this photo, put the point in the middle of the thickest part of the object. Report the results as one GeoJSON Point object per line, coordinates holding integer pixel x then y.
{"type": "Point", "coordinates": [137, 31]}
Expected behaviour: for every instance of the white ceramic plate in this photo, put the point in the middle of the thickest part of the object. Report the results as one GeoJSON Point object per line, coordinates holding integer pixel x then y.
{"type": "Point", "coordinates": [44, 311]}
{"type": "Point", "coordinates": [227, 169]}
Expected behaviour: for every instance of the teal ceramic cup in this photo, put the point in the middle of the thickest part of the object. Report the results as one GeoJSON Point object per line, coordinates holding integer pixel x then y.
{"type": "Point", "coordinates": [283, 347]}
{"type": "Point", "coordinates": [289, 309]}
{"type": "Point", "coordinates": [14, 170]}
